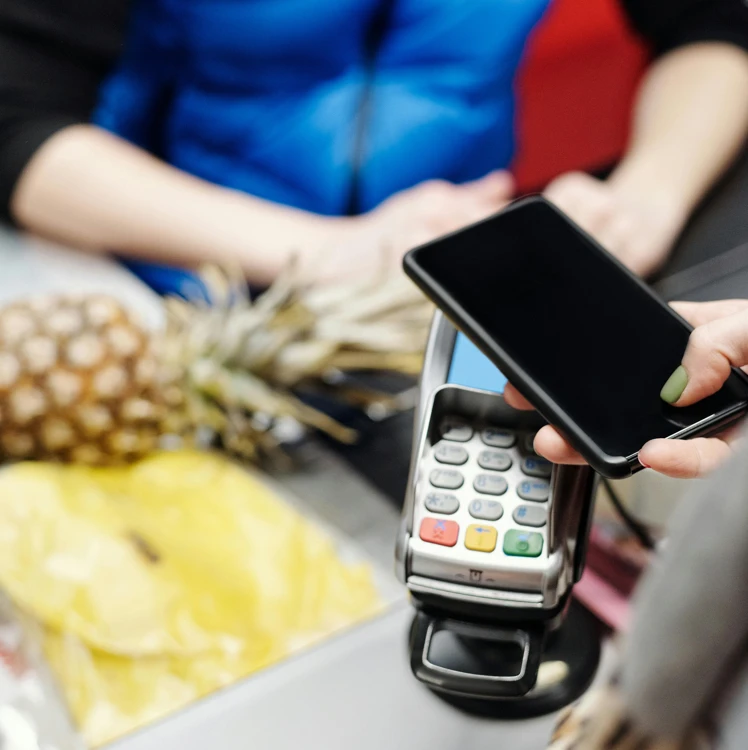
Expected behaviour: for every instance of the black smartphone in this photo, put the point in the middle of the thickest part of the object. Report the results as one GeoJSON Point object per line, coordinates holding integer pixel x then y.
{"type": "Point", "coordinates": [581, 337]}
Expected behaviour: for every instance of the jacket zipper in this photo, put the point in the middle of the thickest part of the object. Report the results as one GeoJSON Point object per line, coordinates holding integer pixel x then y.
{"type": "Point", "coordinates": [372, 43]}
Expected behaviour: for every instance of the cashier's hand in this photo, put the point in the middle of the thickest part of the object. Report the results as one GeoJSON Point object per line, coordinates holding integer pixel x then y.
{"type": "Point", "coordinates": [379, 239]}
{"type": "Point", "coordinates": [719, 341]}
{"type": "Point", "coordinates": [436, 207]}
{"type": "Point", "coordinates": [639, 227]}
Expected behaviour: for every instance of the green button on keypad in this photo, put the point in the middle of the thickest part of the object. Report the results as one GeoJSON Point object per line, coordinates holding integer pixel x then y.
{"type": "Point", "coordinates": [523, 543]}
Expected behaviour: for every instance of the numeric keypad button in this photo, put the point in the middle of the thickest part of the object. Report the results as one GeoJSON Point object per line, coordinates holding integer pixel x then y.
{"type": "Point", "coordinates": [530, 515]}
{"type": "Point", "coordinates": [490, 484]}
{"type": "Point", "coordinates": [457, 431]}
{"type": "Point", "coordinates": [486, 510]}
{"type": "Point", "coordinates": [442, 502]}
{"type": "Point", "coordinates": [494, 460]}
{"type": "Point", "coordinates": [446, 479]}
{"type": "Point", "coordinates": [498, 438]}
{"type": "Point", "coordinates": [537, 490]}
{"type": "Point", "coordinates": [449, 453]}
{"type": "Point", "coordinates": [534, 466]}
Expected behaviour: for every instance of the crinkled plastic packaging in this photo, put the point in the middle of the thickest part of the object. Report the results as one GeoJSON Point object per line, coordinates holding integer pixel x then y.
{"type": "Point", "coordinates": [158, 583]}
{"type": "Point", "coordinates": [32, 713]}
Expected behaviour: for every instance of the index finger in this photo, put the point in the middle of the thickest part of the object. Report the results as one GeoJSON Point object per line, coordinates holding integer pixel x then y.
{"type": "Point", "coordinates": [515, 399]}
{"type": "Point", "coordinates": [700, 313]}
{"type": "Point", "coordinates": [550, 444]}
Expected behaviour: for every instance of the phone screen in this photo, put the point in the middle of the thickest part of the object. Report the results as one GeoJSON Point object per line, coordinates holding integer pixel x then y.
{"type": "Point", "coordinates": [595, 341]}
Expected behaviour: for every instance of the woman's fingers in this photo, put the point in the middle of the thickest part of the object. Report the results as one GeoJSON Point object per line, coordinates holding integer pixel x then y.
{"type": "Point", "coordinates": [515, 399]}
{"type": "Point", "coordinates": [712, 349]}
{"type": "Point", "coordinates": [585, 199]}
{"type": "Point", "coordinates": [497, 187]}
{"type": "Point", "coordinates": [681, 459]}
{"type": "Point", "coordinates": [701, 313]}
{"type": "Point", "coordinates": [684, 459]}
{"type": "Point", "coordinates": [548, 442]}
{"type": "Point", "coordinates": [550, 445]}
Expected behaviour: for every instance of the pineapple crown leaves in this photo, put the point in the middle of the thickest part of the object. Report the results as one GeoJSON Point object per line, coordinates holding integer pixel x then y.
{"type": "Point", "coordinates": [248, 356]}
{"type": "Point", "coordinates": [292, 332]}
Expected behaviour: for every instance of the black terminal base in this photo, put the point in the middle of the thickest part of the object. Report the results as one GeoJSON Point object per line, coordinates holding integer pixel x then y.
{"type": "Point", "coordinates": [568, 665]}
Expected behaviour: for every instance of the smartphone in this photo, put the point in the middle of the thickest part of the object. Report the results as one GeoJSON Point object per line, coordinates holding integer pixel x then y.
{"type": "Point", "coordinates": [587, 342]}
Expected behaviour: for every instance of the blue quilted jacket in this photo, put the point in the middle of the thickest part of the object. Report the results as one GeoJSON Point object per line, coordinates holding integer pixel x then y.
{"type": "Point", "coordinates": [326, 105]}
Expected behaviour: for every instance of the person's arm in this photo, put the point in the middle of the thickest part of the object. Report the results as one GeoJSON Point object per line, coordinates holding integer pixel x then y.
{"type": "Point", "coordinates": [690, 120]}
{"type": "Point", "coordinates": [88, 188]}
{"type": "Point", "coordinates": [80, 185]}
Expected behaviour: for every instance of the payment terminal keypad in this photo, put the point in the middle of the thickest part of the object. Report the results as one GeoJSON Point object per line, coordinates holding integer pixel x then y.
{"type": "Point", "coordinates": [484, 495]}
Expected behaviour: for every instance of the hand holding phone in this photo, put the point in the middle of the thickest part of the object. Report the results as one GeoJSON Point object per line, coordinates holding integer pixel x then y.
{"type": "Point", "coordinates": [723, 326]}
{"type": "Point", "coordinates": [587, 343]}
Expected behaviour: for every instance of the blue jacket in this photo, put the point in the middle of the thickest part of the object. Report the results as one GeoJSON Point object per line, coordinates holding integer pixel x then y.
{"type": "Point", "coordinates": [326, 105]}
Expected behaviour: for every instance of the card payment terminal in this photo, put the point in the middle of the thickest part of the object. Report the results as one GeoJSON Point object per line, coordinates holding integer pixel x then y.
{"type": "Point", "coordinates": [492, 538]}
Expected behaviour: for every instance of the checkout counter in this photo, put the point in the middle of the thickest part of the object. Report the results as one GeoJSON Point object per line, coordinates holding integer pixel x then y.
{"type": "Point", "coordinates": [356, 690]}
{"type": "Point", "coordinates": [353, 690]}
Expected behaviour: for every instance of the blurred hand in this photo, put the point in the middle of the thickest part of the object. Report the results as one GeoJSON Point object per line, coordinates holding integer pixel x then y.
{"type": "Point", "coordinates": [719, 341]}
{"type": "Point", "coordinates": [638, 227]}
{"type": "Point", "coordinates": [436, 207]}
{"type": "Point", "coordinates": [408, 219]}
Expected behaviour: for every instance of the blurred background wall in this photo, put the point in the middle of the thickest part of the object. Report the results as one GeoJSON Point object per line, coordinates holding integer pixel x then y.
{"type": "Point", "coordinates": [575, 90]}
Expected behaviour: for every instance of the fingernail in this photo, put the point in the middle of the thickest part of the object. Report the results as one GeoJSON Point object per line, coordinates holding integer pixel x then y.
{"type": "Point", "coordinates": [644, 463]}
{"type": "Point", "coordinates": [675, 385]}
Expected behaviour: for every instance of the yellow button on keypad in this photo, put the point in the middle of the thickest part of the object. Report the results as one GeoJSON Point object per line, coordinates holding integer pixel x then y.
{"type": "Point", "coordinates": [480, 538]}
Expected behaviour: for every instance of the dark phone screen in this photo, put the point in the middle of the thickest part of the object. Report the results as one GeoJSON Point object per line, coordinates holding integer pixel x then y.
{"type": "Point", "coordinates": [596, 342]}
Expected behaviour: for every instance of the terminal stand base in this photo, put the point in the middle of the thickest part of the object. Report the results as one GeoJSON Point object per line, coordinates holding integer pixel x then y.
{"type": "Point", "coordinates": [575, 649]}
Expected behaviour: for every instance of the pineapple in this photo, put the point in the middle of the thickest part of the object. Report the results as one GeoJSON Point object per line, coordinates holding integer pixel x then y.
{"type": "Point", "coordinates": [82, 381]}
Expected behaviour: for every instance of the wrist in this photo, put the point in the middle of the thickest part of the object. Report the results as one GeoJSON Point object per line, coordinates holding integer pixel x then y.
{"type": "Point", "coordinates": [666, 190]}
{"type": "Point", "coordinates": [672, 199]}
{"type": "Point", "coordinates": [338, 230]}
{"type": "Point", "coordinates": [265, 236]}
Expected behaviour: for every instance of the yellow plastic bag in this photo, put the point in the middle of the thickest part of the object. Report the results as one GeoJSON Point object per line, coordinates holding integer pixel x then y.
{"type": "Point", "coordinates": [161, 582]}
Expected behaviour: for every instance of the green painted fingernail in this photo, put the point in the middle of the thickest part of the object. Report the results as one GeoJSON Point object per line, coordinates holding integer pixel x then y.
{"type": "Point", "coordinates": [676, 384]}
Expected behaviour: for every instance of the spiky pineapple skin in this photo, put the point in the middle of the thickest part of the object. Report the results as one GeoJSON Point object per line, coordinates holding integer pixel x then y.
{"type": "Point", "coordinates": [79, 382]}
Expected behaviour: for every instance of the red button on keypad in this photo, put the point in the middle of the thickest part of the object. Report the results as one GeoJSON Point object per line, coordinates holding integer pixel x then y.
{"type": "Point", "coordinates": [439, 531]}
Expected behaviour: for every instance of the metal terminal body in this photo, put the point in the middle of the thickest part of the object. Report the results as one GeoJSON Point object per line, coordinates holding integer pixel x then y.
{"type": "Point", "coordinates": [521, 524]}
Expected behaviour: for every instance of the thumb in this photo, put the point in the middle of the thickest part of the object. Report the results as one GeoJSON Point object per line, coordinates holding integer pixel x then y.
{"type": "Point", "coordinates": [495, 186]}
{"type": "Point", "coordinates": [712, 350]}
{"type": "Point", "coordinates": [699, 313]}
{"type": "Point", "coordinates": [684, 459]}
